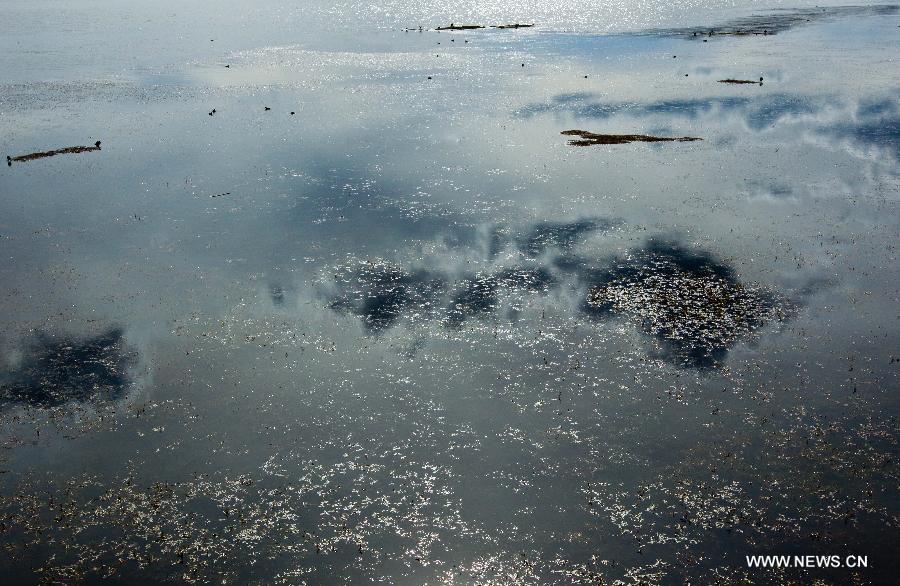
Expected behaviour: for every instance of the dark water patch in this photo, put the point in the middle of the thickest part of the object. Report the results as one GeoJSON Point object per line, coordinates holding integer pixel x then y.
{"type": "Point", "coordinates": [770, 111]}
{"type": "Point", "coordinates": [877, 107]}
{"type": "Point", "coordinates": [563, 235]}
{"type": "Point", "coordinates": [690, 108]}
{"type": "Point", "coordinates": [690, 302]}
{"type": "Point", "coordinates": [497, 239]}
{"type": "Point", "coordinates": [591, 138]}
{"type": "Point", "coordinates": [874, 123]}
{"type": "Point", "coordinates": [758, 113]}
{"type": "Point", "coordinates": [586, 105]}
{"type": "Point", "coordinates": [814, 286]}
{"type": "Point", "coordinates": [276, 292]}
{"type": "Point", "coordinates": [56, 371]}
{"type": "Point", "coordinates": [64, 151]}
{"type": "Point", "coordinates": [381, 293]}
{"type": "Point", "coordinates": [881, 134]}
{"type": "Point", "coordinates": [693, 304]}
{"type": "Point", "coordinates": [479, 295]}
{"type": "Point", "coordinates": [770, 189]}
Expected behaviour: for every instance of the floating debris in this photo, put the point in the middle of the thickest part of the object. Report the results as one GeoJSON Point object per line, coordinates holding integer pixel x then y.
{"type": "Point", "coordinates": [591, 138]}
{"type": "Point", "coordinates": [66, 151]}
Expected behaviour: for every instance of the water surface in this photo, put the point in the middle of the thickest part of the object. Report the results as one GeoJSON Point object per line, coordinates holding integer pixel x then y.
{"type": "Point", "coordinates": [374, 319]}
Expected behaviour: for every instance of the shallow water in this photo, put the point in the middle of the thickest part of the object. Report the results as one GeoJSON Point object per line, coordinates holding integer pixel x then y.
{"type": "Point", "coordinates": [396, 328]}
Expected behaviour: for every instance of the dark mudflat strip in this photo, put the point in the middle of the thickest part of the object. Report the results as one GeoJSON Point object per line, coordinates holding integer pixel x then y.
{"type": "Point", "coordinates": [459, 27]}
{"type": "Point", "coordinates": [737, 32]}
{"type": "Point", "coordinates": [778, 21]}
{"type": "Point", "coordinates": [66, 151]}
{"type": "Point", "coordinates": [468, 27]}
{"type": "Point", "coordinates": [740, 81]}
{"type": "Point", "coordinates": [590, 138]}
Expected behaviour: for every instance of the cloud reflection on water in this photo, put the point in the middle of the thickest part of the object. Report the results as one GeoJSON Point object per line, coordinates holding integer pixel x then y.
{"type": "Point", "coordinates": [693, 304]}
{"type": "Point", "coordinates": [871, 123]}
